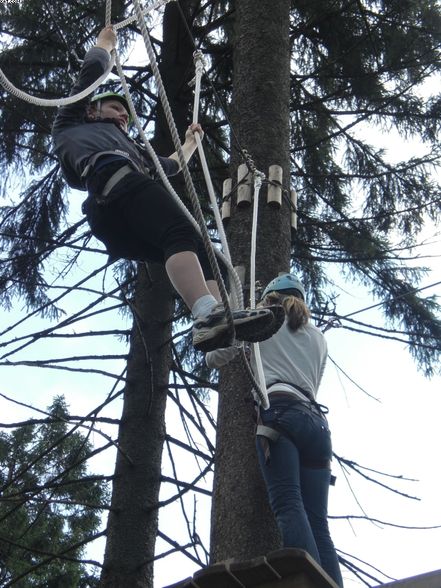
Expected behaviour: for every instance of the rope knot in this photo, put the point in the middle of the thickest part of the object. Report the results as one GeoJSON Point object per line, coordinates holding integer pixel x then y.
{"type": "Point", "coordinates": [198, 58]}
{"type": "Point", "coordinates": [249, 161]}
{"type": "Point", "coordinates": [259, 177]}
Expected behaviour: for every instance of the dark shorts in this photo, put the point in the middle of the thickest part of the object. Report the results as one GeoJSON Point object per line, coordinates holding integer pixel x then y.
{"type": "Point", "coordinates": [140, 220]}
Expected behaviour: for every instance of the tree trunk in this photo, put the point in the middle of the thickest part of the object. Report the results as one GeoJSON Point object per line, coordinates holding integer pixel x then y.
{"type": "Point", "coordinates": [133, 520]}
{"type": "Point", "coordinates": [242, 523]}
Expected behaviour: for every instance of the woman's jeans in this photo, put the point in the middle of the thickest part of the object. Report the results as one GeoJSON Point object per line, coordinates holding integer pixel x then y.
{"type": "Point", "coordinates": [297, 476]}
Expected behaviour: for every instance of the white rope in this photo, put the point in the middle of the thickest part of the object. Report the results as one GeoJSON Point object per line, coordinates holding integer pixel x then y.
{"type": "Point", "coordinates": [54, 102]}
{"type": "Point", "coordinates": [262, 392]}
{"type": "Point", "coordinates": [237, 302]}
{"type": "Point", "coordinates": [130, 19]}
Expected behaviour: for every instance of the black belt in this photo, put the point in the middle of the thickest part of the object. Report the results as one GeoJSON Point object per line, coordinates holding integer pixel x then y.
{"type": "Point", "coordinates": [305, 405]}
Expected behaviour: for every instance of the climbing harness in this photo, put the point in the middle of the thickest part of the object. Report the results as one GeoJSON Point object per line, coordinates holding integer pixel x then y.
{"type": "Point", "coordinates": [272, 433]}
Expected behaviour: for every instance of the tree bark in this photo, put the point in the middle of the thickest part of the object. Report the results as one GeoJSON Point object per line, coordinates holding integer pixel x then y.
{"type": "Point", "coordinates": [242, 523]}
{"type": "Point", "coordinates": [133, 519]}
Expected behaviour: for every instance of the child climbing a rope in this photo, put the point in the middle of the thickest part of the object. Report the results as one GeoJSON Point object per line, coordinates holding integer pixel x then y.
{"type": "Point", "coordinates": [293, 437]}
{"type": "Point", "coordinates": [131, 212]}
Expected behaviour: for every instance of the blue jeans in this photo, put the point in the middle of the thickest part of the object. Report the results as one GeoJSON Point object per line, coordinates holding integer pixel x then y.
{"type": "Point", "coordinates": [297, 478]}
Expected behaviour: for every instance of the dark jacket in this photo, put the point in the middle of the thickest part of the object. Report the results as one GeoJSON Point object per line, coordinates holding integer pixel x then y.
{"type": "Point", "coordinates": [76, 139]}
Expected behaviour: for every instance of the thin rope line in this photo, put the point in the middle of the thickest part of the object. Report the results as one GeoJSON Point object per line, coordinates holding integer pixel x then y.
{"type": "Point", "coordinates": [199, 63]}
{"type": "Point", "coordinates": [237, 145]}
{"type": "Point", "coordinates": [409, 292]}
{"type": "Point", "coordinates": [260, 389]}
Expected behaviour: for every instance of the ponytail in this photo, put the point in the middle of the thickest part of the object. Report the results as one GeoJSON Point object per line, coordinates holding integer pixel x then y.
{"type": "Point", "coordinates": [296, 311]}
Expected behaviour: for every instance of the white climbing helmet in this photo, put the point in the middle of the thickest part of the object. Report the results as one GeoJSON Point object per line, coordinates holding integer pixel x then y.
{"type": "Point", "coordinates": [285, 283]}
{"type": "Point", "coordinates": [113, 96]}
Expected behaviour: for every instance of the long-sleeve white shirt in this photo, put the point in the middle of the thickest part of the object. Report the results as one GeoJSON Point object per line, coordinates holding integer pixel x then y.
{"type": "Point", "coordinates": [289, 358]}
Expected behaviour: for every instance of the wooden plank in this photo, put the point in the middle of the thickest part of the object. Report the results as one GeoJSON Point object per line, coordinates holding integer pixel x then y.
{"type": "Point", "coordinates": [216, 576]}
{"type": "Point", "coordinates": [300, 580]}
{"type": "Point", "coordinates": [291, 561]}
{"type": "Point", "coordinates": [428, 580]}
{"type": "Point", "coordinates": [254, 572]}
{"type": "Point", "coordinates": [187, 583]}
{"type": "Point", "coordinates": [284, 568]}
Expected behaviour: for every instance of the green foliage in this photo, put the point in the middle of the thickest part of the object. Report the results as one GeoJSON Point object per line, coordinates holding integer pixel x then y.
{"type": "Point", "coordinates": [49, 504]}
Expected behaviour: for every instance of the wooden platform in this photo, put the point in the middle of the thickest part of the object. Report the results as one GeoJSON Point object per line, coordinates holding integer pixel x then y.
{"type": "Point", "coordinates": [284, 568]}
{"type": "Point", "coordinates": [429, 580]}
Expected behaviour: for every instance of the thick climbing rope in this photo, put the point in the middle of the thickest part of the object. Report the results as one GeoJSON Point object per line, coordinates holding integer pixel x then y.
{"type": "Point", "coordinates": [236, 290]}
{"type": "Point", "coordinates": [9, 86]}
{"type": "Point", "coordinates": [56, 102]}
{"type": "Point", "coordinates": [187, 177]}
{"type": "Point", "coordinates": [139, 16]}
{"type": "Point", "coordinates": [108, 15]}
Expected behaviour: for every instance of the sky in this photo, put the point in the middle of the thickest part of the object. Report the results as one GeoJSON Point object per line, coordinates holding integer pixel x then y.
{"type": "Point", "coordinates": [391, 426]}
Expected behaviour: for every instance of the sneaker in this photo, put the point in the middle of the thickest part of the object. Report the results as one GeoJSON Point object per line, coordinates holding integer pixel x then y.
{"type": "Point", "coordinates": [211, 332]}
{"type": "Point", "coordinates": [279, 316]}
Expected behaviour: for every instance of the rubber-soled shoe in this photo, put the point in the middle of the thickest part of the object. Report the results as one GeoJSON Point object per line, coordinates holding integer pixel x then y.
{"type": "Point", "coordinates": [278, 319]}
{"type": "Point", "coordinates": [211, 332]}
